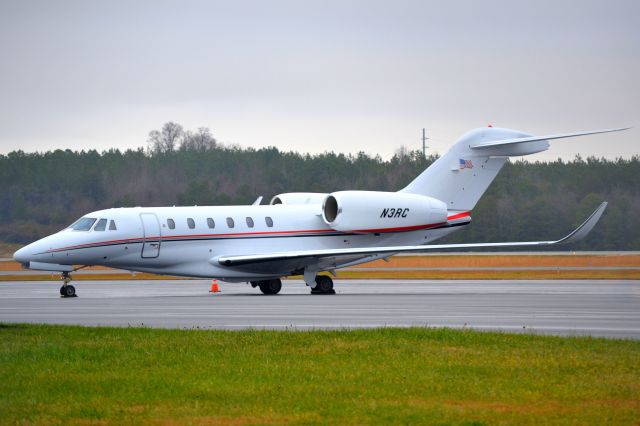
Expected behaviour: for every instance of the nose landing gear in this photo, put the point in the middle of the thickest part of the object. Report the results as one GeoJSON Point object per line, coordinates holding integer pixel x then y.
{"type": "Point", "coordinates": [67, 290]}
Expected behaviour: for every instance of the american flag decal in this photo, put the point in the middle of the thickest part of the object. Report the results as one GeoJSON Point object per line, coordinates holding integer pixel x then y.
{"type": "Point", "coordinates": [465, 164]}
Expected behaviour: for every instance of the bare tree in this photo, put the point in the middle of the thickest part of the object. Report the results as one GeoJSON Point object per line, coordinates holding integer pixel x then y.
{"type": "Point", "coordinates": [200, 140]}
{"type": "Point", "coordinates": [166, 139]}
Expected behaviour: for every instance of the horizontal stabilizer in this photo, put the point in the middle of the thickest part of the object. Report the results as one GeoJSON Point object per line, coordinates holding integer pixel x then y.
{"type": "Point", "coordinates": [314, 255]}
{"type": "Point", "coordinates": [479, 145]}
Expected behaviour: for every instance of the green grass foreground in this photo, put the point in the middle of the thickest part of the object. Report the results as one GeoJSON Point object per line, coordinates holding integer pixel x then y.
{"type": "Point", "coordinates": [73, 375]}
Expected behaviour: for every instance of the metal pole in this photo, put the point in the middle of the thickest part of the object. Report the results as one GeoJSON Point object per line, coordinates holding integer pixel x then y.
{"type": "Point", "coordinates": [424, 143]}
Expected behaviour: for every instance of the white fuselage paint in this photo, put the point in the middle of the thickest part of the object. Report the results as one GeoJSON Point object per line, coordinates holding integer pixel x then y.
{"type": "Point", "coordinates": [153, 247]}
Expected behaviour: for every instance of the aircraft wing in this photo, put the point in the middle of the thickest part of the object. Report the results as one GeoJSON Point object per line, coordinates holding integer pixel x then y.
{"type": "Point", "coordinates": [345, 255]}
{"type": "Point", "coordinates": [480, 145]}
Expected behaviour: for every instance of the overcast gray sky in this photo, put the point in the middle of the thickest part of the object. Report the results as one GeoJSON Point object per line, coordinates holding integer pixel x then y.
{"type": "Point", "coordinates": [318, 75]}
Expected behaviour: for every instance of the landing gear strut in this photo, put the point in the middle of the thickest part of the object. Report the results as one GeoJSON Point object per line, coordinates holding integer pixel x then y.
{"type": "Point", "coordinates": [67, 290]}
{"type": "Point", "coordinates": [324, 285]}
{"type": "Point", "coordinates": [268, 286]}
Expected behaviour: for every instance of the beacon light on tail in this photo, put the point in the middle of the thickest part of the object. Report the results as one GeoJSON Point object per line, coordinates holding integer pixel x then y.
{"type": "Point", "coordinates": [298, 233]}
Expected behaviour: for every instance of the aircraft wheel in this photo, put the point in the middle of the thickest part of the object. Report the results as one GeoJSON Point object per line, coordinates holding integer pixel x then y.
{"type": "Point", "coordinates": [270, 286]}
{"type": "Point", "coordinates": [324, 285]}
{"type": "Point", "coordinates": [68, 291]}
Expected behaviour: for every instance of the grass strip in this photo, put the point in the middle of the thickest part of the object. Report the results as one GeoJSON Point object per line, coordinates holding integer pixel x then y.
{"type": "Point", "coordinates": [511, 260]}
{"type": "Point", "coordinates": [493, 275]}
{"type": "Point", "coordinates": [78, 375]}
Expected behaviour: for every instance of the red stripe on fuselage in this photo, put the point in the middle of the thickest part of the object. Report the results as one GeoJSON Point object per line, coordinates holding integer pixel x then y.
{"type": "Point", "coordinates": [240, 234]}
{"type": "Point", "coordinates": [459, 215]}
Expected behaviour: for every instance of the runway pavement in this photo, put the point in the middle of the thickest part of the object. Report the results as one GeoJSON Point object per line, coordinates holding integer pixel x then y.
{"type": "Point", "coordinates": [596, 308]}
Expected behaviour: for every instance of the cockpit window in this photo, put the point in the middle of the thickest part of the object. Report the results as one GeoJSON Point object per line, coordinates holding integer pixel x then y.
{"type": "Point", "coordinates": [112, 226]}
{"type": "Point", "coordinates": [83, 224]}
{"type": "Point", "coordinates": [101, 225]}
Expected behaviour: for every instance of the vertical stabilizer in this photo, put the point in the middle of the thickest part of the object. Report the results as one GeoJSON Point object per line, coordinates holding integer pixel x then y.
{"type": "Point", "coordinates": [463, 174]}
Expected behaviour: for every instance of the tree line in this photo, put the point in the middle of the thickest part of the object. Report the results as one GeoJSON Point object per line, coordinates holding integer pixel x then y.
{"type": "Point", "coordinates": [43, 192]}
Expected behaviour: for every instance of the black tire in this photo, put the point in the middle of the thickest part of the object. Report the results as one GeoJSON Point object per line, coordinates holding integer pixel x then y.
{"type": "Point", "coordinates": [62, 291]}
{"type": "Point", "coordinates": [324, 285]}
{"type": "Point", "coordinates": [270, 286]}
{"type": "Point", "coordinates": [68, 291]}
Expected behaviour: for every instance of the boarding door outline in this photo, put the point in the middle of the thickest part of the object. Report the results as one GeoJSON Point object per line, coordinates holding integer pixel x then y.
{"type": "Point", "coordinates": [151, 235]}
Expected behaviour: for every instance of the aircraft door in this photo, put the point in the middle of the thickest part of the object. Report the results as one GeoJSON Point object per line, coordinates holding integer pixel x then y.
{"type": "Point", "coordinates": [151, 235]}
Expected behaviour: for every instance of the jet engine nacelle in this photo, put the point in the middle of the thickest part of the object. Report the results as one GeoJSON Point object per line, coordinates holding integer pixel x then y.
{"type": "Point", "coordinates": [372, 211]}
{"type": "Point", "coordinates": [298, 198]}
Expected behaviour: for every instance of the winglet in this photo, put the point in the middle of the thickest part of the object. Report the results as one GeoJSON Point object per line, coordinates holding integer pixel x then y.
{"type": "Point", "coordinates": [586, 227]}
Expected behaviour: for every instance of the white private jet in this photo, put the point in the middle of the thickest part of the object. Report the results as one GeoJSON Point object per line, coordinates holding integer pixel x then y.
{"type": "Point", "coordinates": [297, 233]}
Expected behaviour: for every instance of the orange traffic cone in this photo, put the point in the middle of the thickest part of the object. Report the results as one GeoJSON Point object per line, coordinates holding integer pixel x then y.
{"type": "Point", "coordinates": [214, 287]}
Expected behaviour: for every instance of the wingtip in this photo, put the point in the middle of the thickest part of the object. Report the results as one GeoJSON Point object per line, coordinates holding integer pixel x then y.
{"type": "Point", "coordinates": [601, 208]}
{"type": "Point", "coordinates": [585, 228]}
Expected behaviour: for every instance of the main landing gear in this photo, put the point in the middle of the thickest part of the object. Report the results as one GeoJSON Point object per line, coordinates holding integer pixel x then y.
{"type": "Point", "coordinates": [321, 284]}
{"type": "Point", "coordinates": [268, 286]}
{"type": "Point", "coordinates": [67, 290]}
{"type": "Point", "coordinates": [324, 285]}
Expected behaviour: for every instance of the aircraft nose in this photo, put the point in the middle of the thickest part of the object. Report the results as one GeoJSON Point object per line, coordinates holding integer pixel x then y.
{"type": "Point", "coordinates": [22, 255]}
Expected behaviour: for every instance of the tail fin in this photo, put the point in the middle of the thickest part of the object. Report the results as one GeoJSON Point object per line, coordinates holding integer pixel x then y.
{"type": "Point", "coordinates": [463, 174]}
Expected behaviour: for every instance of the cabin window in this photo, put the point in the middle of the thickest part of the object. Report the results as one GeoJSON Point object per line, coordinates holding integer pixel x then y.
{"type": "Point", "coordinates": [191, 223]}
{"type": "Point", "coordinates": [112, 226]}
{"type": "Point", "coordinates": [268, 221]}
{"type": "Point", "coordinates": [210, 223]}
{"type": "Point", "coordinates": [171, 224]}
{"type": "Point", "coordinates": [101, 225]}
{"type": "Point", "coordinates": [83, 224]}
{"type": "Point", "coordinates": [249, 222]}
{"type": "Point", "coordinates": [230, 223]}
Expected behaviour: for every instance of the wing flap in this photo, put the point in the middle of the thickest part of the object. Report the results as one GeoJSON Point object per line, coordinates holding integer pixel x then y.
{"type": "Point", "coordinates": [314, 255]}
